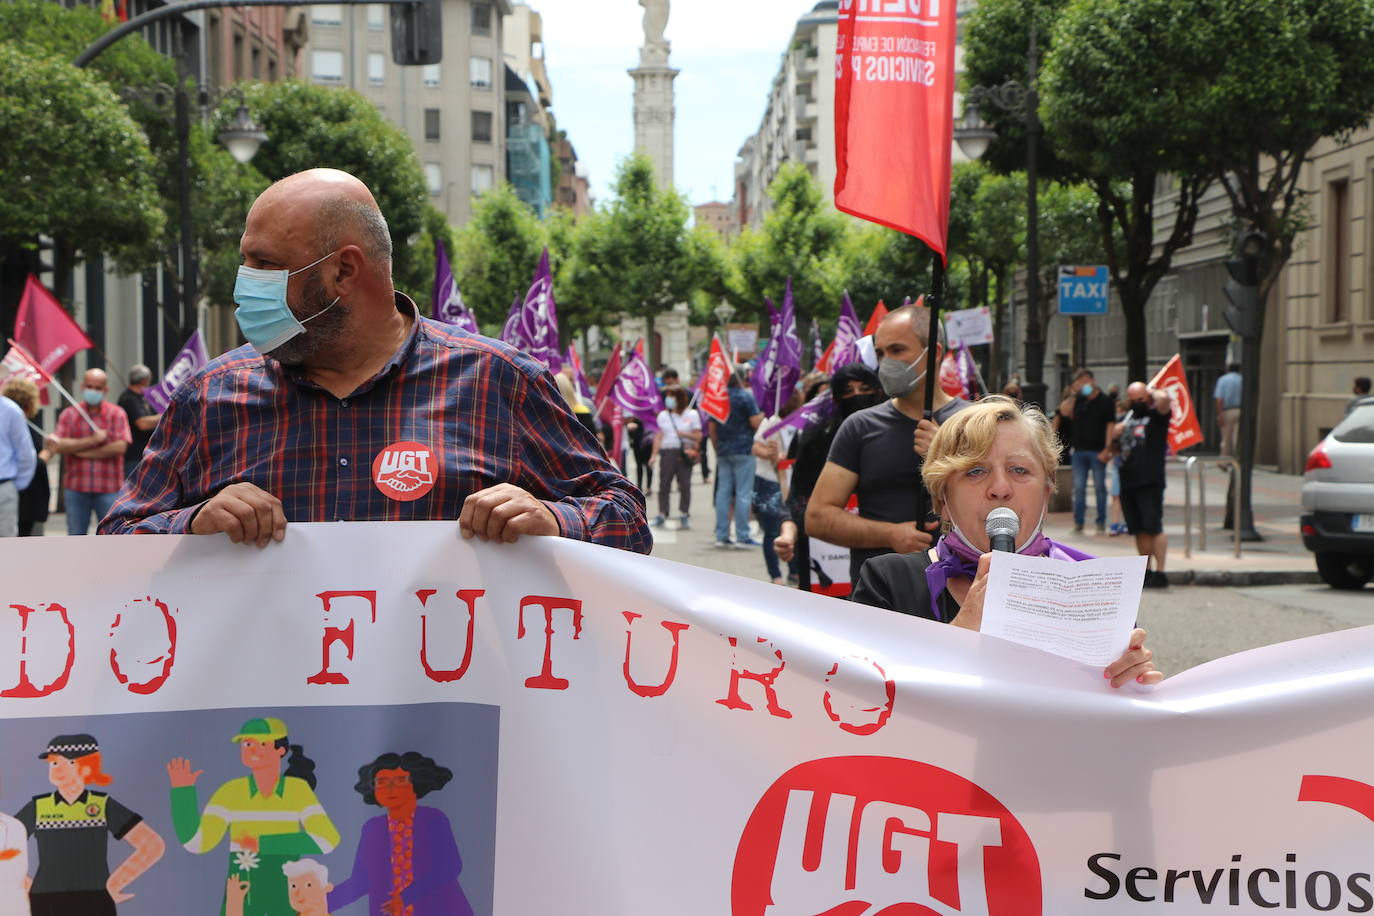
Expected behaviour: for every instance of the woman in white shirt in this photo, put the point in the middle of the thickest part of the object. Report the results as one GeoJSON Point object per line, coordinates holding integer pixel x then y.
{"type": "Point", "coordinates": [14, 867]}
{"type": "Point", "coordinates": [678, 440]}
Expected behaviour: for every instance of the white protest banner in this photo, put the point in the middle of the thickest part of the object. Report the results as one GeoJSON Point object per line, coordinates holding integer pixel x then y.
{"type": "Point", "coordinates": [593, 732]}
{"type": "Point", "coordinates": [970, 327]}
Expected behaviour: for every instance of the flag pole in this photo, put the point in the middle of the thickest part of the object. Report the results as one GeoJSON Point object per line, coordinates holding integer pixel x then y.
{"type": "Point", "coordinates": [52, 381]}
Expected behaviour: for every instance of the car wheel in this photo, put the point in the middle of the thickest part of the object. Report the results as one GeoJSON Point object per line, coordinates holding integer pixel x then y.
{"type": "Point", "coordinates": [1342, 570]}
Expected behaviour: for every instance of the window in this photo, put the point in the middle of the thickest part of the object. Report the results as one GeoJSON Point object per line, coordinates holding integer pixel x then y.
{"type": "Point", "coordinates": [431, 124]}
{"type": "Point", "coordinates": [256, 68]}
{"type": "Point", "coordinates": [481, 127]}
{"type": "Point", "coordinates": [375, 14]}
{"type": "Point", "coordinates": [435, 178]}
{"type": "Point", "coordinates": [326, 66]}
{"type": "Point", "coordinates": [1338, 250]}
{"type": "Point", "coordinates": [431, 75]}
{"type": "Point", "coordinates": [272, 69]}
{"type": "Point", "coordinates": [483, 178]}
{"type": "Point", "coordinates": [481, 19]}
{"type": "Point", "coordinates": [479, 72]}
{"type": "Point", "coordinates": [515, 114]}
{"type": "Point", "coordinates": [376, 68]}
{"type": "Point", "coordinates": [238, 56]}
{"type": "Point", "coordinates": [327, 14]}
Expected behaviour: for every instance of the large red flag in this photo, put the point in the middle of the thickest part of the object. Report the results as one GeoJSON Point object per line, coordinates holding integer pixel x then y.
{"type": "Point", "coordinates": [894, 114]}
{"type": "Point", "coordinates": [715, 389]}
{"type": "Point", "coordinates": [1184, 429]}
{"type": "Point", "coordinates": [45, 330]}
{"type": "Point", "coordinates": [607, 381]}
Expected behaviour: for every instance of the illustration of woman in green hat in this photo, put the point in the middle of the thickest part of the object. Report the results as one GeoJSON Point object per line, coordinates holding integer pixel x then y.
{"type": "Point", "coordinates": [270, 817]}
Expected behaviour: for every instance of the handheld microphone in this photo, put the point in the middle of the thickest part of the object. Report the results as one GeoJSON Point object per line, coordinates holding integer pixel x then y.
{"type": "Point", "coordinates": [1002, 526]}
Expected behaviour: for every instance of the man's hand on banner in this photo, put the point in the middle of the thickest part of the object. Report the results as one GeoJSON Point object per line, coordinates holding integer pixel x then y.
{"type": "Point", "coordinates": [245, 512]}
{"type": "Point", "coordinates": [503, 513]}
{"type": "Point", "coordinates": [180, 774]}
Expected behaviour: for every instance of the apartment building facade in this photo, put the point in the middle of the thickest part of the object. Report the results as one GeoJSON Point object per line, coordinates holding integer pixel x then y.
{"type": "Point", "coordinates": [453, 111]}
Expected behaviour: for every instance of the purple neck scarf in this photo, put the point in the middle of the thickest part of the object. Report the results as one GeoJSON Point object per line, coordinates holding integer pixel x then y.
{"type": "Point", "coordinates": [955, 558]}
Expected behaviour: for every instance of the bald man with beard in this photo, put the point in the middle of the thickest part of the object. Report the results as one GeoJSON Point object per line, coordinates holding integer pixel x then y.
{"type": "Point", "coordinates": [348, 405]}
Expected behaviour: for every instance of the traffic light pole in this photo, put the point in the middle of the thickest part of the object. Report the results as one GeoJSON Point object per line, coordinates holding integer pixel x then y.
{"type": "Point", "coordinates": [1246, 318]}
{"type": "Point", "coordinates": [1249, 414]}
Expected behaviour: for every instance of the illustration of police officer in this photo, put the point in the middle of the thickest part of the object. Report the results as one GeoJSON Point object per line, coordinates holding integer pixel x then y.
{"type": "Point", "coordinates": [70, 825]}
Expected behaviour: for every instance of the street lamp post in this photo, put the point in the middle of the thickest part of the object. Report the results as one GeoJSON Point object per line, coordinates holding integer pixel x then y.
{"type": "Point", "coordinates": [974, 135]}
{"type": "Point", "coordinates": [724, 312]}
{"type": "Point", "coordinates": [242, 138]}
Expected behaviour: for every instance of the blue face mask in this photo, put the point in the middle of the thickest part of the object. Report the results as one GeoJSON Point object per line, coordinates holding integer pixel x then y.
{"type": "Point", "coordinates": [92, 396]}
{"type": "Point", "coordinates": [262, 313]}
{"type": "Point", "coordinates": [1087, 391]}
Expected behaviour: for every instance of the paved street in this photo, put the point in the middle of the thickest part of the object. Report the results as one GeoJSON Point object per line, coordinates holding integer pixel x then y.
{"type": "Point", "coordinates": [1189, 624]}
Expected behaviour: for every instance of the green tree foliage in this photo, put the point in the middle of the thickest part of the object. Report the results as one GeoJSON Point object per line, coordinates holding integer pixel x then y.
{"type": "Point", "coordinates": [40, 26]}
{"type": "Point", "coordinates": [497, 253]}
{"type": "Point", "coordinates": [877, 264]}
{"type": "Point", "coordinates": [636, 255]}
{"type": "Point", "coordinates": [318, 127]}
{"type": "Point", "coordinates": [801, 238]}
{"type": "Point", "coordinates": [75, 165]}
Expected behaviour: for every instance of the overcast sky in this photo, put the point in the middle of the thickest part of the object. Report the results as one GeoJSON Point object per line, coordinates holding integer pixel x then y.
{"type": "Point", "coordinates": [728, 52]}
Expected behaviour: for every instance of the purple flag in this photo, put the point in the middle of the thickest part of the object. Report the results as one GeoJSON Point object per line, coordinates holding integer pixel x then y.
{"type": "Point", "coordinates": [812, 413]}
{"type": "Point", "coordinates": [191, 358]}
{"type": "Point", "coordinates": [758, 381]}
{"type": "Point", "coordinates": [635, 391]}
{"type": "Point", "coordinates": [533, 324]}
{"type": "Point", "coordinates": [779, 365]}
{"type": "Point", "coordinates": [448, 305]}
{"type": "Point", "coordinates": [847, 334]}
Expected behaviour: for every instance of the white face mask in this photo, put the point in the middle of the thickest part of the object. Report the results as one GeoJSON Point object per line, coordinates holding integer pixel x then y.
{"type": "Point", "coordinates": [1029, 539]}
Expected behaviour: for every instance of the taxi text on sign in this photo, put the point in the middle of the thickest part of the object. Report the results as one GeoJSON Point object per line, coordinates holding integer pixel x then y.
{"type": "Point", "coordinates": [1083, 290]}
{"type": "Point", "coordinates": [894, 114]}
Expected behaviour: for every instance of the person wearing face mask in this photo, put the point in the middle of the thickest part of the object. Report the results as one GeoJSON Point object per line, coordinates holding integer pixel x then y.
{"type": "Point", "coordinates": [676, 446]}
{"type": "Point", "coordinates": [93, 438]}
{"type": "Point", "coordinates": [1093, 413]}
{"type": "Point", "coordinates": [1143, 438]}
{"type": "Point", "coordinates": [877, 452]}
{"type": "Point", "coordinates": [348, 405]}
{"type": "Point", "coordinates": [853, 388]}
{"type": "Point", "coordinates": [994, 454]}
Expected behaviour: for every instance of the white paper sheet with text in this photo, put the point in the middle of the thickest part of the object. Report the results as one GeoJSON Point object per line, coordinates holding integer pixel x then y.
{"type": "Point", "coordinates": [1083, 611]}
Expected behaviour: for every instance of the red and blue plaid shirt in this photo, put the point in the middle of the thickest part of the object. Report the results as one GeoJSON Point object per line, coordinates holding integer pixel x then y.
{"type": "Point", "coordinates": [93, 475]}
{"type": "Point", "coordinates": [488, 413]}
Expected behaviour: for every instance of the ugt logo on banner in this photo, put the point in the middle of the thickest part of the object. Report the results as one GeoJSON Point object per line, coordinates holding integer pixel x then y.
{"type": "Point", "coordinates": [894, 114]}
{"type": "Point", "coordinates": [869, 835]}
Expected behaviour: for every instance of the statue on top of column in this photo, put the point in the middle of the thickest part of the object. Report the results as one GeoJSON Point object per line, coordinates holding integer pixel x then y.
{"type": "Point", "coordinates": [655, 23]}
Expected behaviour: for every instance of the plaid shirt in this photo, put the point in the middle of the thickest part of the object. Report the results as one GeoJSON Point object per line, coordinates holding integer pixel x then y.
{"type": "Point", "coordinates": [489, 414]}
{"type": "Point", "coordinates": [93, 475]}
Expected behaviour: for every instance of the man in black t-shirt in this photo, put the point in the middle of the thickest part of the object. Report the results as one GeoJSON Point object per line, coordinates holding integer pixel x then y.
{"type": "Point", "coordinates": [142, 418]}
{"type": "Point", "coordinates": [877, 453]}
{"type": "Point", "coordinates": [1093, 414]}
{"type": "Point", "coordinates": [1144, 438]}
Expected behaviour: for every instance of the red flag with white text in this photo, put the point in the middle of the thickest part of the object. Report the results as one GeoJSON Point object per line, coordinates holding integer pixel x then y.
{"type": "Point", "coordinates": [894, 114]}
{"type": "Point", "coordinates": [16, 364]}
{"type": "Point", "coordinates": [715, 389]}
{"type": "Point", "coordinates": [1184, 429]}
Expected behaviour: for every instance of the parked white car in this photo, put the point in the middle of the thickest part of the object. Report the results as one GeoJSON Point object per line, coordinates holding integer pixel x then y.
{"type": "Point", "coordinates": [1338, 500]}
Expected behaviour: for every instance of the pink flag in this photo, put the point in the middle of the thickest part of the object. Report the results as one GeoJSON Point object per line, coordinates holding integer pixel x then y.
{"type": "Point", "coordinates": [44, 329]}
{"type": "Point", "coordinates": [17, 364]}
{"type": "Point", "coordinates": [715, 384]}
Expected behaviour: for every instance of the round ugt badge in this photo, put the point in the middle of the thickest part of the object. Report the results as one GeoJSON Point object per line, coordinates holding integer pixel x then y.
{"type": "Point", "coordinates": [405, 471]}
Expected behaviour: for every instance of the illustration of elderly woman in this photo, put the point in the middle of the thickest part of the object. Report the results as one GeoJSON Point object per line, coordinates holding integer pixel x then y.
{"type": "Point", "coordinates": [407, 862]}
{"type": "Point", "coordinates": [270, 817]}
{"type": "Point", "coordinates": [14, 867]}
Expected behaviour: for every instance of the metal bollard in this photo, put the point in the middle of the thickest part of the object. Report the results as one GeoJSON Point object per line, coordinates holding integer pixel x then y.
{"type": "Point", "coordinates": [1235, 504]}
{"type": "Point", "coordinates": [1188, 464]}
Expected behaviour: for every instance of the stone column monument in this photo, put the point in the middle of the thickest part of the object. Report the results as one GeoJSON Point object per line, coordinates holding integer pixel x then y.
{"type": "Point", "coordinates": [654, 118]}
{"type": "Point", "coordinates": [654, 111]}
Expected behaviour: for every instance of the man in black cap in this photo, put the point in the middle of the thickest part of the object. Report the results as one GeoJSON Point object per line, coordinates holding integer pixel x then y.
{"type": "Point", "coordinates": [70, 823]}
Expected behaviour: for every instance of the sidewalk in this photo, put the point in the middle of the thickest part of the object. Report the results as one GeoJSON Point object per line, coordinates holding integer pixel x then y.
{"type": "Point", "coordinates": [1278, 560]}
